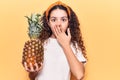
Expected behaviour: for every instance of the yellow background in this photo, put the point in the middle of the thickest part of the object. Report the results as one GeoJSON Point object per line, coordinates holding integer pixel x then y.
{"type": "Point", "coordinates": [100, 25]}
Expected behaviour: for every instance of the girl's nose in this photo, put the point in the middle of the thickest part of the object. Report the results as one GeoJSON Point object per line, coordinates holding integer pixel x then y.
{"type": "Point", "coordinates": [58, 23]}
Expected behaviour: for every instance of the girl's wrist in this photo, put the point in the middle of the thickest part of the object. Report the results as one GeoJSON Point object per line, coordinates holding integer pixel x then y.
{"type": "Point", "coordinates": [66, 47]}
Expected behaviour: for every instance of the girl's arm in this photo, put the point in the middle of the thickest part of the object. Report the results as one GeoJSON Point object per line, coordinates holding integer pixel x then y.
{"type": "Point", "coordinates": [77, 67]}
{"type": "Point", "coordinates": [32, 75]}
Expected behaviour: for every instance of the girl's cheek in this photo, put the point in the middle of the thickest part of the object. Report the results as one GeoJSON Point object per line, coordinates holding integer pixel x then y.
{"type": "Point", "coordinates": [53, 30]}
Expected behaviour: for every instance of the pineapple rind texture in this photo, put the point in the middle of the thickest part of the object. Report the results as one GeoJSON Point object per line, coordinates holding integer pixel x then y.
{"type": "Point", "coordinates": [33, 52]}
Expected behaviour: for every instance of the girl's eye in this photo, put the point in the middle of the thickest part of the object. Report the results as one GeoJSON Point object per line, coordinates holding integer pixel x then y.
{"type": "Point", "coordinates": [64, 20]}
{"type": "Point", "coordinates": [53, 20]}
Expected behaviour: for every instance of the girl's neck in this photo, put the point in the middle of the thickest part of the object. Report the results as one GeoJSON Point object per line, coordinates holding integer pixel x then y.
{"type": "Point", "coordinates": [52, 36]}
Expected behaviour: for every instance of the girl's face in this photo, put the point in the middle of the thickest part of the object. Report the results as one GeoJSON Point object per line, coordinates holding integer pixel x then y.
{"type": "Point", "coordinates": [59, 18]}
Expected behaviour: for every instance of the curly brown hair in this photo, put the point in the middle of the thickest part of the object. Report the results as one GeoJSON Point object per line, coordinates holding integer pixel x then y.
{"type": "Point", "coordinates": [76, 35]}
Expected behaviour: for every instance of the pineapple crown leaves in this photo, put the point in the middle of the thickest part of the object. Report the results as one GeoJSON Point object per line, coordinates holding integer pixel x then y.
{"type": "Point", "coordinates": [35, 26]}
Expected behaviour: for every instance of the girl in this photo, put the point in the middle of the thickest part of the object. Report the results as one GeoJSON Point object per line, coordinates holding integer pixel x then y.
{"type": "Point", "coordinates": [64, 52]}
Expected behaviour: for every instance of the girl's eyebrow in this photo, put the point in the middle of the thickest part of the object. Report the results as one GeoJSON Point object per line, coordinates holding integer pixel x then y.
{"type": "Point", "coordinates": [53, 17]}
{"type": "Point", "coordinates": [61, 17]}
{"type": "Point", "coordinates": [64, 17]}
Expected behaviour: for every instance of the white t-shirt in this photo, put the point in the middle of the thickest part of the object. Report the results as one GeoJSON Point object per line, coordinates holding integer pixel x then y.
{"type": "Point", "coordinates": [55, 65]}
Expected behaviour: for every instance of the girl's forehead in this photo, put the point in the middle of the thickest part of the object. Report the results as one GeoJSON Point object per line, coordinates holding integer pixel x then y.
{"type": "Point", "coordinates": [58, 13]}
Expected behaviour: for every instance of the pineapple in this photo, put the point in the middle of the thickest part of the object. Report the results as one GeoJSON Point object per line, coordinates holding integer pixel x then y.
{"type": "Point", "coordinates": [33, 49]}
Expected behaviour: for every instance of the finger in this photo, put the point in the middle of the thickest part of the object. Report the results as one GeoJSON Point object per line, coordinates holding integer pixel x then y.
{"type": "Point", "coordinates": [55, 31]}
{"type": "Point", "coordinates": [25, 65]}
{"type": "Point", "coordinates": [68, 31]}
{"type": "Point", "coordinates": [59, 28]}
{"type": "Point", "coordinates": [41, 66]}
{"type": "Point", "coordinates": [36, 65]}
{"type": "Point", "coordinates": [31, 67]}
